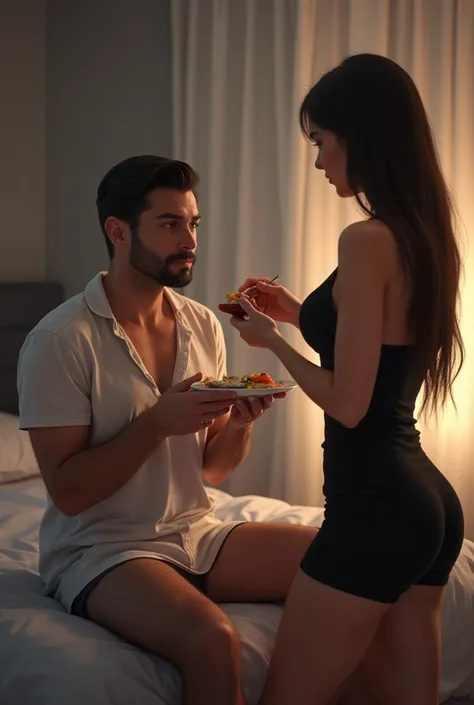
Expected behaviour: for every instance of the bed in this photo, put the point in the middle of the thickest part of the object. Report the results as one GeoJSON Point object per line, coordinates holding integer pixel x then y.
{"type": "Point", "coordinates": [48, 657]}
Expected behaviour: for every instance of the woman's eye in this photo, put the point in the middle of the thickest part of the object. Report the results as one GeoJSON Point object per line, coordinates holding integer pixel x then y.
{"type": "Point", "coordinates": [195, 225]}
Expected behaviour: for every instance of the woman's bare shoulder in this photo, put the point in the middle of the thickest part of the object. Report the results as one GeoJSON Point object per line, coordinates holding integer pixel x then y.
{"type": "Point", "coordinates": [373, 237]}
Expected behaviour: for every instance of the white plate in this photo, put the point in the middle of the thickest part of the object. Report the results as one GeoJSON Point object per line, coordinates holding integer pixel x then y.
{"type": "Point", "coordinates": [262, 392]}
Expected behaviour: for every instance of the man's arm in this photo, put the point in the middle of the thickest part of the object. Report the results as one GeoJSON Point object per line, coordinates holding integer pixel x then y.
{"type": "Point", "coordinates": [77, 476]}
{"type": "Point", "coordinates": [227, 446]}
{"type": "Point", "coordinates": [55, 408]}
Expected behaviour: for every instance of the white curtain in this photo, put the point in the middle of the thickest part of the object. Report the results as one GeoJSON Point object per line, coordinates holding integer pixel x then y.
{"type": "Point", "coordinates": [240, 71]}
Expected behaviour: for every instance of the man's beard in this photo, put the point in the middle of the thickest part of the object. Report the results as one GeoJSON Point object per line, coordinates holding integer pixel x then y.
{"type": "Point", "coordinates": [157, 268]}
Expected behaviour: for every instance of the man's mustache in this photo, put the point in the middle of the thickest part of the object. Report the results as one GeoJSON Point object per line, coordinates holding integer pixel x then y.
{"type": "Point", "coordinates": [182, 258]}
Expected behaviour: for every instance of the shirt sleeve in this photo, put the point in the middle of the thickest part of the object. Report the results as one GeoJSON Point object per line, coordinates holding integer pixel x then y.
{"type": "Point", "coordinates": [53, 385]}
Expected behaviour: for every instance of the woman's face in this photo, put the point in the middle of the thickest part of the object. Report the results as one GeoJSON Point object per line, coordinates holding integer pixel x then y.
{"type": "Point", "coordinates": [332, 160]}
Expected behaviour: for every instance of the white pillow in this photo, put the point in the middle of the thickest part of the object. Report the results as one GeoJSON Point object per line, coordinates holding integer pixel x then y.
{"type": "Point", "coordinates": [17, 458]}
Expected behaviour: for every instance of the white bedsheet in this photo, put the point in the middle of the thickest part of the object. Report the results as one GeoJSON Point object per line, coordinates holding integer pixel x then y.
{"type": "Point", "coordinates": [48, 657]}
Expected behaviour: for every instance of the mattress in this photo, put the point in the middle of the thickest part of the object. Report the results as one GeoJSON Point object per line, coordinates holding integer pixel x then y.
{"type": "Point", "coordinates": [48, 657]}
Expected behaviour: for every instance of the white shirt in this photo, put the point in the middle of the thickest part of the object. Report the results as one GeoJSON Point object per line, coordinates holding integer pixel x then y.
{"type": "Point", "coordinates": [79, 367]}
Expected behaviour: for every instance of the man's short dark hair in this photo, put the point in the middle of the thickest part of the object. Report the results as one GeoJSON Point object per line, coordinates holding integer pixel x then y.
{"type": "Point", "coordinates": [124, 189]}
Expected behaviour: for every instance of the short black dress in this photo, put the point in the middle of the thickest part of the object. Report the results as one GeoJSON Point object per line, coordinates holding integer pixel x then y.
{"type": "Point", "coordinates": [392, 520]}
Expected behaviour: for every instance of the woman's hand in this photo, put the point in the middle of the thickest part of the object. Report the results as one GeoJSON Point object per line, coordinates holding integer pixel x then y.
{"type": "Point", "coordinates": [272, 299]}
{"type": "Point", "coordinates": [257, 329]}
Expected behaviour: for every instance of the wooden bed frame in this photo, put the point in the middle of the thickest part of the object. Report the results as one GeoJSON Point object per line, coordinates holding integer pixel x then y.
{"type": "Point", "coordinates": [22, 305]}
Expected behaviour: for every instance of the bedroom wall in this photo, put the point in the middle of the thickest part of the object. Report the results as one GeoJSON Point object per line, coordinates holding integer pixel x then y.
{"type": "Point", "coordinates": [108, 97]}
{"type": "Point", "coordinates": [22, 139]}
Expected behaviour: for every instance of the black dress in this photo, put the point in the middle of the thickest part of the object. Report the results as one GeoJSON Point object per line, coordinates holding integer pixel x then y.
{"type": "Point", "coordinates": [392, 520]}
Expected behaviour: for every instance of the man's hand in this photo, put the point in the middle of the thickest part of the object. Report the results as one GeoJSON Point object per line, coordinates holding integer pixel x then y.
{"type": "Point", "coordinates": [246, 410]}
{"type": "Point", "coordinates": [180, 410]}
{"type": "Point", "coordinates": [229, 443]}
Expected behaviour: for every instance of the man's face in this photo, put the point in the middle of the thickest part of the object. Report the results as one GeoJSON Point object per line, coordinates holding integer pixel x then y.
{"type": "Point", "coordinates": [163, 245]}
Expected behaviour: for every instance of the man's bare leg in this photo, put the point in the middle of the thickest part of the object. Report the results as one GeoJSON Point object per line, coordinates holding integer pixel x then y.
{"type": "Point", "coordinates": [148, 603]}
{"type": "Point", "coordinates": [258, 562]}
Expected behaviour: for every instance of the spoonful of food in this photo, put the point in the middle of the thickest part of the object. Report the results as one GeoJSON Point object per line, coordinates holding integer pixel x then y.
{"type": "Point", "coordinates": [233, 307]}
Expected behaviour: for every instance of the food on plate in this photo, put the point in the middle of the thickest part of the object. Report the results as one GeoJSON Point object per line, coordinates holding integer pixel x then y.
{"type": "Point", "coordinates": [257, 380]}
{"type": "Point", "coordinates": [232, 304]}
{"type": "Point", "coordinates": [232, 297]}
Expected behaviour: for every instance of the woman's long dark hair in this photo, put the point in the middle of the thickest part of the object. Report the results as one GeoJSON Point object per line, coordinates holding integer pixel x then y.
{"type": "Point", "coordinates": [374, 107]}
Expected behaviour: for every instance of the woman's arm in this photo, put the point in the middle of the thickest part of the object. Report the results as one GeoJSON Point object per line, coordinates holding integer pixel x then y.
{"type": "Point", "coordinates": [345, 393]}
{"type": "Point", "coordinates": [362, 277]}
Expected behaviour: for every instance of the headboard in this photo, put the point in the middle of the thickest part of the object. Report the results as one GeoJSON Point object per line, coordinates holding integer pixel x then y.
{"type": "Point", "coordinates": [22, 305]}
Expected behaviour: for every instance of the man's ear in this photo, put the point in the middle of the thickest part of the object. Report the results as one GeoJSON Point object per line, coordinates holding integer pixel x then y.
{"type": "Point", "coordinates": [117, 231]}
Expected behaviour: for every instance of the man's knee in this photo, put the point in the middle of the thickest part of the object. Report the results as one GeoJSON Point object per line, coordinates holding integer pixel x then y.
{"type": "Point", "coordinates": [214, 635]}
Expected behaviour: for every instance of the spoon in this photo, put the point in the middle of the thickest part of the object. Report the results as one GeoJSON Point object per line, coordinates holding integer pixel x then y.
{"type": "Point", "coordinates": [254, 288]}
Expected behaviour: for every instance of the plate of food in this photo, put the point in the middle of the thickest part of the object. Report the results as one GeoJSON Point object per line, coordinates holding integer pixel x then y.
{"type": "Point", "coordinates": [257, 384]}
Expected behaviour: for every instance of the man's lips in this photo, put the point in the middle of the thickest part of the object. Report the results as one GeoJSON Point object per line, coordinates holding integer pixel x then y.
{"type": "Point", "coordinates": [187, 260]}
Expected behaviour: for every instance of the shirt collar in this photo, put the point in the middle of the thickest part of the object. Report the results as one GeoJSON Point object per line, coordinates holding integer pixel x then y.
{"type": "Point", "coordinates": [99, 304]}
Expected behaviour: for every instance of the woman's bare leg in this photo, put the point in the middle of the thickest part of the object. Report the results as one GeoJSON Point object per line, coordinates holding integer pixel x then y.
{"type": "Point", "coordinates": [323, 637]}
{"type": "Point", "coordinates": [403, 662]}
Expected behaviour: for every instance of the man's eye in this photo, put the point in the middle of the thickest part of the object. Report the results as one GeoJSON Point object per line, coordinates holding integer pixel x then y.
{"type": "Point", "coordinates": [173, 224]}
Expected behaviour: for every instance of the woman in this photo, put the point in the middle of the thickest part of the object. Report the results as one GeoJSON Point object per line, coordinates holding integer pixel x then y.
{"type": "Point", "coordinates": [366, 602]}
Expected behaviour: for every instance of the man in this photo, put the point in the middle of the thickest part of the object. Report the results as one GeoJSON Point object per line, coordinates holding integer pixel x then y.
{"type": "Point", "coordinates": [129, 538]}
